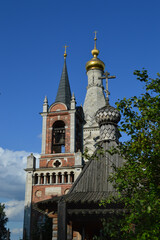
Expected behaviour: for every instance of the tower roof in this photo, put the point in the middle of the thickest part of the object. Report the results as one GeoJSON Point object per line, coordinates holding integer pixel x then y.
{"type": "Point", "coordinates": [64, 91]}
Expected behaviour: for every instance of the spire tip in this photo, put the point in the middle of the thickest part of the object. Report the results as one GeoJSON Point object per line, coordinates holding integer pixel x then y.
{"type": "Point", "coordinates": [65, 54]}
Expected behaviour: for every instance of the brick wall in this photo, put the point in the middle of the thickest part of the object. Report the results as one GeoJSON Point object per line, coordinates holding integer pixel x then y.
{"type": "Point", "coordinates": [39, 192]}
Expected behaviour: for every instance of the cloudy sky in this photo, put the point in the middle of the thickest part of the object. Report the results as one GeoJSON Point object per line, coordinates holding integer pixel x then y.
{"type": "Point", "coordinates": [32, 36]}
{"type": "Point", "coordinates": [12, 187]}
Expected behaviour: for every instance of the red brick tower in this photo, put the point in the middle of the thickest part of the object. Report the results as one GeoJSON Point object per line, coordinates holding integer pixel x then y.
{"type": "Point", "coordinates": [60, 162]}
{"type": "Point", "coordinates": [61, 157]}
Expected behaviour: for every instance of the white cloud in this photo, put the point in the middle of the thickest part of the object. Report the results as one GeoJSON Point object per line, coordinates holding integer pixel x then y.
{"type": "Point", "coordinates": [17, 230]}
{"type": "Point", "coordinates": [12, 174]}
{"type": "Point", "coordinates": [12, 181]}
{"type": "Point", "coordinates": [40, 135]}
{"type": "Point", "coordinates": [14, 210]}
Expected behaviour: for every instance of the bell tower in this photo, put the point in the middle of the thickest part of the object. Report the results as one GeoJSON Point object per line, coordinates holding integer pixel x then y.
{"type": "Point", "coordinates": [60, 162]}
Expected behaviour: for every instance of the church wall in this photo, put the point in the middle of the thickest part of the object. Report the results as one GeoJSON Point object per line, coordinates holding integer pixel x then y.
{"type": "Point", "coordinates": [44, 192]}
{"type": "Point", "coordinates": [67, 160]}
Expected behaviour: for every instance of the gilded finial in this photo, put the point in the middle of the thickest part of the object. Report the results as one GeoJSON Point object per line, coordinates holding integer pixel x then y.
{"type": "Point", "coordinates": [95, 62]}
{"type": "Point", "coordinates": [65, 54]}
{"type": "Point", "coordinates": [95, 39]}
{"type": "Point", "coordinates": [95, 51]}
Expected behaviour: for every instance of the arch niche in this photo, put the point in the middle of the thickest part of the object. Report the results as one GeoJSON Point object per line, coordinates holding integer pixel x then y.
{"type": "Point", "coordinates": [58, 137]}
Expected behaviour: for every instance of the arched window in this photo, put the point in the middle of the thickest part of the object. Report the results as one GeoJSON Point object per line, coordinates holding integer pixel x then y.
{"type": "Point", "coordinates": [58, 137]}
{"type": "Point", "coordinates": [47, 178]}
{"type": "Point", "coordinates": [42, 178]}
{"type": "Point", "coordinates": [59, 177]}
{"type": "Point", "coordinates": [36, 179]}
{"type": "Point", "coordinates": [72, 177]}
{"type": "Point", "coordinates": [65, 177]}
{"type": "Point", "coordinates": [53, 178]}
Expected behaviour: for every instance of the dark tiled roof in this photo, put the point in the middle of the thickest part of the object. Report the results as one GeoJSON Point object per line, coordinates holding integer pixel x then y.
{"type": "Point", "coordinates": [77, 197]}
{"type": "Point", "coordinates": [87, 197]}
{"type": "Point", "coordinates": [64, 91]}
{"type": "Point", "coordinates": [94, 177]}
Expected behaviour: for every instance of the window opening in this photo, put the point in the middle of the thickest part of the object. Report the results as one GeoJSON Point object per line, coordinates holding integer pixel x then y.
{"type": "Point", "coordinates": [58, 139]}
{"type": "Point", "coordinates": [72, 177]}
{"type": "Point", "coordinates": [57, 163]}
{"type": "Point", "coordinates": [36, 179]}
{"type": "Point", "coordinates": [62, 149]}
{"type": "Point", "coordinates": [59, 178]}
{"type": "Point", "coordinates": [47, 178]}
{"type": "Point", "coordinates": [53, 178]}
{"type": "Point", "coordinates": [42, 179]}
{"type": "Point", "coordinates": [65, 177]}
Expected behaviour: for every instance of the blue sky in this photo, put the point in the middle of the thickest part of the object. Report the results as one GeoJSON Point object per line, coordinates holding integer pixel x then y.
{"type": "Point", "coordinates": [32, 36]}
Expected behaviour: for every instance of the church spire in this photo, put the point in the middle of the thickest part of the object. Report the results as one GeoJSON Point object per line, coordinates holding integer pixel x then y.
{"type": "Point", "coordinates": [64, 91]}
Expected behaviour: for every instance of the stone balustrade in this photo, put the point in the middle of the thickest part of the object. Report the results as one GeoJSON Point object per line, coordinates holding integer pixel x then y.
{"type": "Point", "coordinates": [40, 178]}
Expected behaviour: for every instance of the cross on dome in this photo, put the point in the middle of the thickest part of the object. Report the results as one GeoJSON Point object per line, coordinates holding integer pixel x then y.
{"type": "Point", "coordinates": [65, 54]}
{"type": "Point", "coordinates": [95, 39]}
{"type": "Point", "coordinates": [107, 76]}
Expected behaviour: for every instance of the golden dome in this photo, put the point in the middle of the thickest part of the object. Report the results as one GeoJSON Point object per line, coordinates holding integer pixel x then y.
{"type": "Point", "coordinates": [95, 63]}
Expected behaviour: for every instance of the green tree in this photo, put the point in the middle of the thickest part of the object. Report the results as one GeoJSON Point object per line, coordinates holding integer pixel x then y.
{"type": "Point", "coordinates": [138, 180]}
{"type": "Point", "coordinates": [3, 221]}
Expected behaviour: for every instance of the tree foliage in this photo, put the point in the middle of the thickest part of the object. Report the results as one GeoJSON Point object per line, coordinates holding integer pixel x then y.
{"type": "Point", "coordinates": [3, 221]}
{"type": "Point", "coordinates": [138, 180]}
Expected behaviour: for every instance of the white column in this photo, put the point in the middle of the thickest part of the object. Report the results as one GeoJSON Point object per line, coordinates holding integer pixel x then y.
{"type": "Point", "coordinates": [56, 178]}
{"type": "Point", "coordinates": [69, 178]}
{"type": "Point", "coordinates": [28, 200]}
{"type": "Point", "coordinates": [50, 178]}
{"type": "Point", "coordinates": [72, 131]}
{"type": "Point", "coordinates": [39, 179]}
{"type": "Point", "coordinates": [44, 125]}
{"type": "Point", "coordinates": [62, 177]}
{"type": "Point", "coordinates": [45, 179]}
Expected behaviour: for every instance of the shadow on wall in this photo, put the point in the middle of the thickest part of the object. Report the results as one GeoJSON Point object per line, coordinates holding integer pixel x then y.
{"type": "Point", "coordinates": [36, 225]}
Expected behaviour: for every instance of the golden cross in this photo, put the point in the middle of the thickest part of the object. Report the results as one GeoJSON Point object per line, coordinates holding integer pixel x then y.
{"type": "Point", "coordinates": [95, 39]}
{"type": "Point", "coordinates": [65, 48]}
{"type": "Point", "coordinates": [95, 32]}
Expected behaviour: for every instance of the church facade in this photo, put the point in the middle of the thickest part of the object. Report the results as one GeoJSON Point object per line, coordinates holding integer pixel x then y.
{"type": "Point", "coordinates": [63, 174]}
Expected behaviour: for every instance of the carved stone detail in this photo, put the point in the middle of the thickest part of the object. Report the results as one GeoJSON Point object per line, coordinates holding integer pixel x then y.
{"type": "Point", "coordinates": [107, 117]}
{"type": "Point", "coordinates": [108, 114]}
{"type": "Point", "coordinates": [109, 132]}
